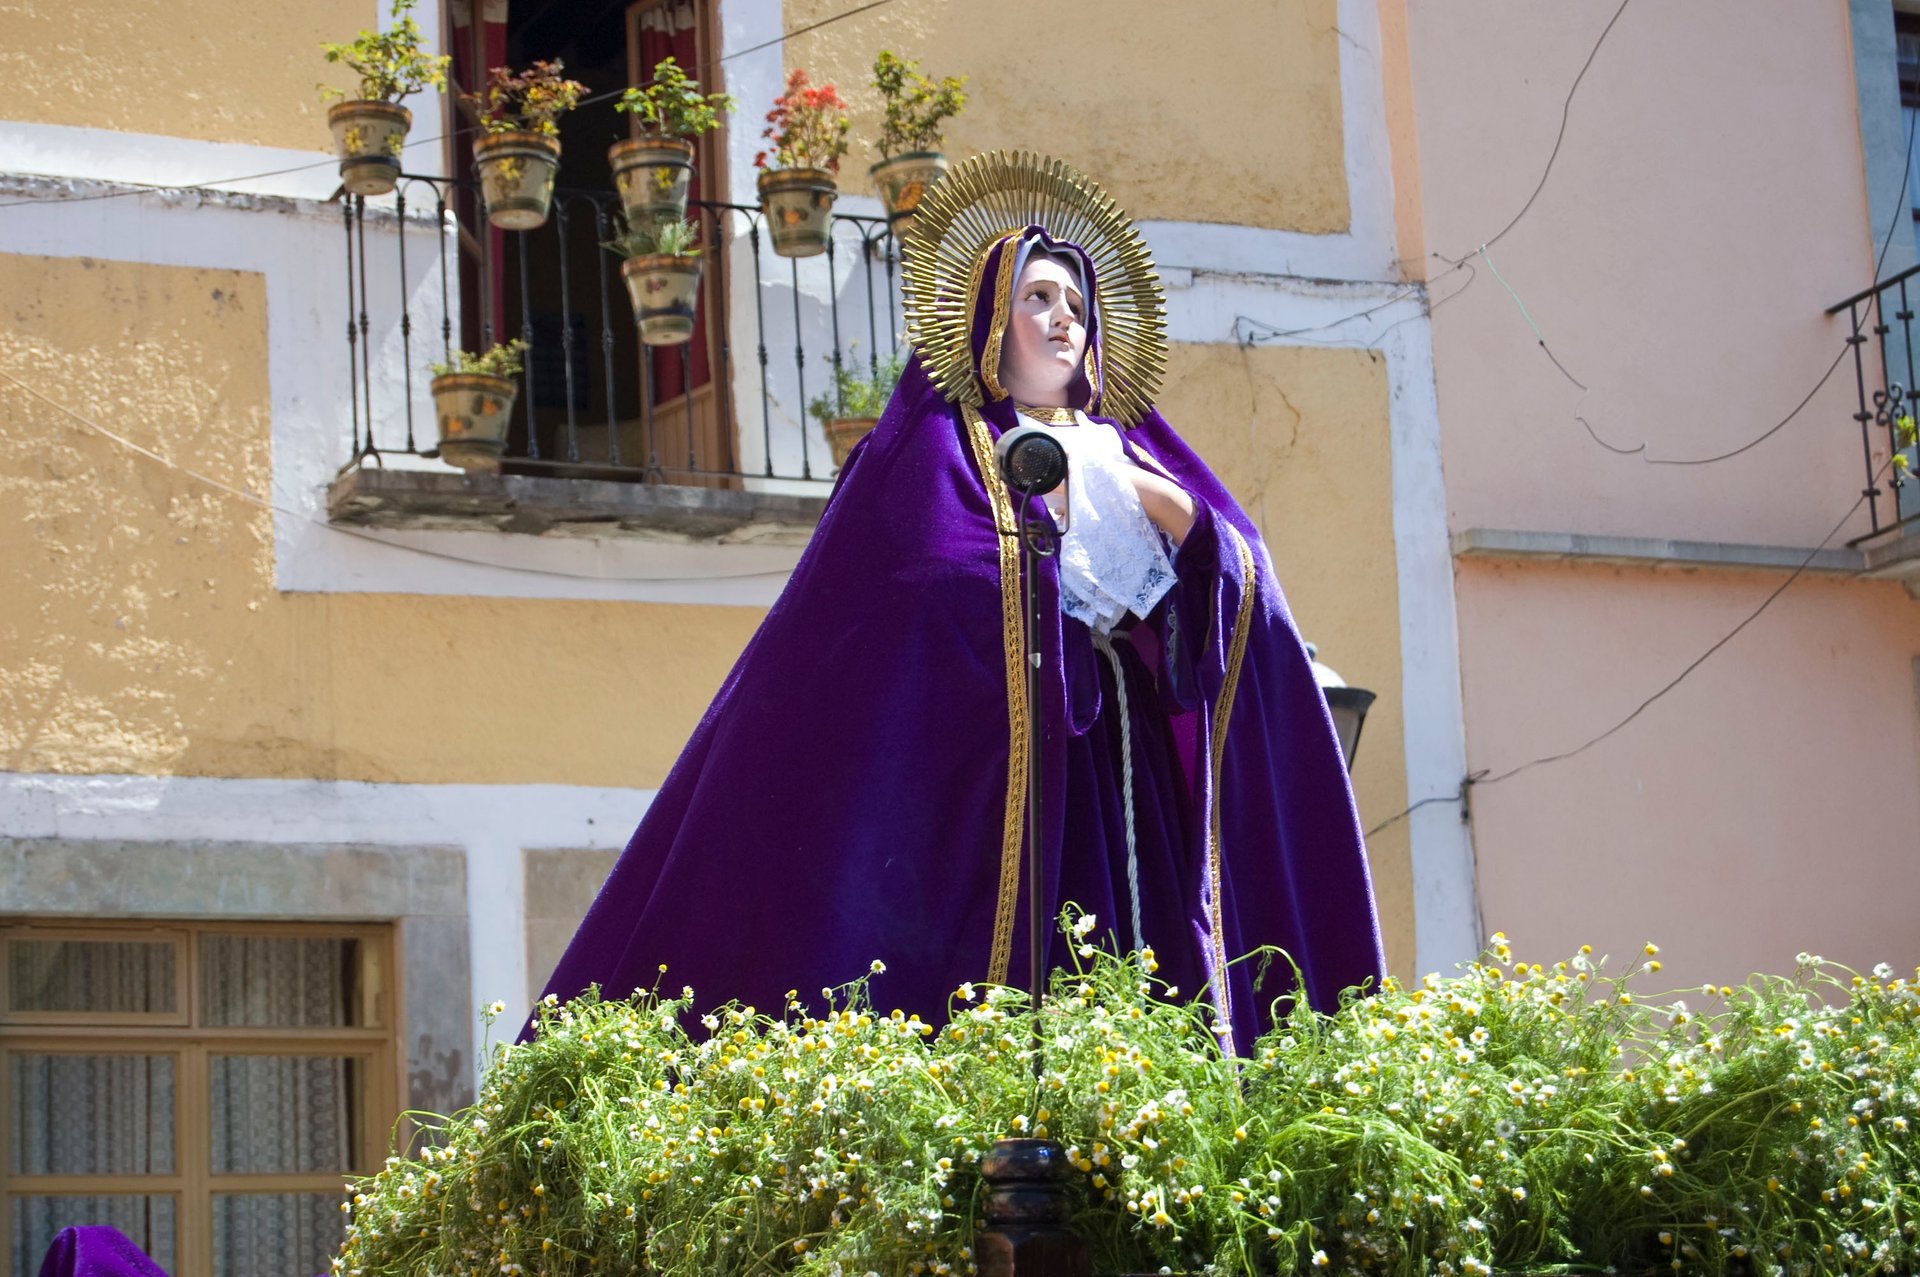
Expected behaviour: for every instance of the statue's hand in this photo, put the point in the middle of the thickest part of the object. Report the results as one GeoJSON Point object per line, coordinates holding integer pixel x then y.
{"type": "Point", "coordinates": [1165, 502]}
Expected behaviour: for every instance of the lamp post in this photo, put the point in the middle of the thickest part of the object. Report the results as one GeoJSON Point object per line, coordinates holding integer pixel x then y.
{"type": "Point", "coordinates": [1349, 705]}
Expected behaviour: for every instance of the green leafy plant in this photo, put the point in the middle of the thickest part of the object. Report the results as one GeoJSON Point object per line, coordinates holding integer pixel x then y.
{"type": "Point", "coordinates": [672, 106]}
{"type": "Point", "coordinates": [530, 102]}
{"type": "Point", "coordinates": [670, 238]}
{"type": "Point", "coordinates": [916, 106]}
{"type": "Point", "coordinates": [859, 391]}
{"type": "Point", "coordinates": [391, 64]}
{"type": "Point", "coordinates": [807, 127]}
{"type": "Point", "coordinates": [503, 360]}
{"type": "Point", "coordinates": [1903, 438]}
{"type": "Point", "coordinates": [1513, 1117]}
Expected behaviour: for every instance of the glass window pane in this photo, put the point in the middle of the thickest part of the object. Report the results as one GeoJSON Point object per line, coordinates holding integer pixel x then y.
{"type": "Point", "coordinates": [284, 1114]}
{"type": "Point", "coordinates": [90, 1114]}
{"type": "Point", "coordinates": [280, 982]}
{"type": "Point", "coordinates": [100, 977]}
{"type": "Point", "coordinates": [147, 1221]}
{"type": "Point", "coordinates": [255, 1233]}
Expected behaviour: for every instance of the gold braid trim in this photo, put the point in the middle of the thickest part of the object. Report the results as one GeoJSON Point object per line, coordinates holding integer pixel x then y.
{"type": "Point", "coordinates": [997, 330]}
{"type": "Point", "coordinates": [1236, 653]}
{"type": "Point", "coordinates": [1013, 636]}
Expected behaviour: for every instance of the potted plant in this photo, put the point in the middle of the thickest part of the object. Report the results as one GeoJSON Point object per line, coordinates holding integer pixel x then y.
{"type": "Point", "coordinates": [520, 152]}
{"type": "Point", "coordinates": [473, 401]}
{"type": "Point", "coordinates": [807, 133]}
{"type": "Point", "coordinates": [854, 405]}
{"type": "Point", "coordinates": [369, 130]}
{"type": "Point", "coordinates": [662, 270]}
{"type": "Point", "coordinates": [652, 171]}
{"type": "Point", "coordinates": [910, 135]}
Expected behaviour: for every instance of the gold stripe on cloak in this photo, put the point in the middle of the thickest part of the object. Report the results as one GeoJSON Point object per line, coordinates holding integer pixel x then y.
{"type": "Point", "coordinates": [997, 330]}
{"type": "Point", "coordinates": [1013, 637]}
{"type": "Point", "coordinates": [1236, 653]}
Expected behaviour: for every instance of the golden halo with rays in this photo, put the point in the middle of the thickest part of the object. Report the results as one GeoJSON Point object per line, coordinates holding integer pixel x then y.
{"type": "Point", "coordinates": [985, 197]}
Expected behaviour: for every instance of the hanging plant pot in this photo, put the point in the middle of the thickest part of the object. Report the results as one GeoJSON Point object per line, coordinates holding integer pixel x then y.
{"type": "Point", "coordinates": [473, 411]}
{"type": "Point", "coordinates": [844, 432]}
{"type": "Point", "coordinates": [516, 178]}
{"type": "Point", "coordinates": [652, 176]}
{"type": "Point", "coordinates": [903, 181]}
{"type": "Point", "coordinates": [663, 287]}
{"type": "Point", "coordinates": [368, 136]}
{"type": "Point", "coordinates": [797, 203]}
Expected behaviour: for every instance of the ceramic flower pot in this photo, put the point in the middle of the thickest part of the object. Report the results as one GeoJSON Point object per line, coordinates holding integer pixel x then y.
{"type": "Point", "coordinates": [652, 176]}
{"type": "Point", "coordinates": [368, 137]}
{"type": "Point", "coordinates": [516, 178]}
{"type": "Point", "coordinates": [664, 288]}
{"type": "Point", "coordinates": [473, 411]}
{"type": "Point", "coordinates": [797, 203]}
{"type": "Point", "coordinates": [844, 432]}
{"type": "Point", "coordinates": [903, 181]}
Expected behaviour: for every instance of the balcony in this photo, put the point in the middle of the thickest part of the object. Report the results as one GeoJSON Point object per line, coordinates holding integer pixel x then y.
{"type": "Point", "coordinates": [708, 440]}
{"type": "Point", "coordinates": [1891, 548]}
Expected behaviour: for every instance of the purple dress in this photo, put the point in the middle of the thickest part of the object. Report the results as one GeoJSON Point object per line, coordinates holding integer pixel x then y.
{"type": "Point", "coordinates": [855, 793]}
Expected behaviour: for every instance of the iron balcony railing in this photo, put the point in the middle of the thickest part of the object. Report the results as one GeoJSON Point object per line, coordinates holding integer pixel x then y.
{"type": "Point", "coordinates": [1885, 398]}
{"type": "Point", "coordinates": [591, 400]}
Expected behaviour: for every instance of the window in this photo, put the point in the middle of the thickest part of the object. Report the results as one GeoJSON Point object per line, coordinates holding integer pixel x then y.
{"type": "Point", "coordinates": [204, 1089]}
{"type": "Point", "coordinates": [1906, 35]}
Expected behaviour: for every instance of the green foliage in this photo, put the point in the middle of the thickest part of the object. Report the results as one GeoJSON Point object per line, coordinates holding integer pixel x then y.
{"type": "Point", "coordinates": [501, 361]}
{"type": "Point", "coordinates": [859, 391]}
{"type": "Point", "coordinates": [531, 102]}
{"type": "Point", "coordinates": [671, 105]}
{"type": "Point", "coordinates": [1903, 438]}
{"type": "Point", "coordinates": [915, 105]}
{"type": "Point", "coordinates": [1511, 1117]}
{"type": "Point", "coordinates": [390, 63]}
{"type": "Point", "coordinates": [671, 238]}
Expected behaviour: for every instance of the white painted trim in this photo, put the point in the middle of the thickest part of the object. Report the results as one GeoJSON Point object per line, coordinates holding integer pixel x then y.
{"type": "Point", "coordinates": [493, 824]}
{"type": "Point", "coordinates": [147, 159]}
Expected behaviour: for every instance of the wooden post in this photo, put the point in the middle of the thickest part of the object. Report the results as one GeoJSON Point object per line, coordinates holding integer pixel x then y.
{"type": "Point", "coordinates": [1026, 1209]}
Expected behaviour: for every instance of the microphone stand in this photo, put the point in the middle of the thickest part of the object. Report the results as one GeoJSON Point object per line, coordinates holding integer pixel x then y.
{"type": "Point", "coordinates": [1038, 541]}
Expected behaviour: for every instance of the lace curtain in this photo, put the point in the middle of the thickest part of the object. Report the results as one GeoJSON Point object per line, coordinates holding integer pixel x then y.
{"type": "Point", "coordinates": [115, 1113]}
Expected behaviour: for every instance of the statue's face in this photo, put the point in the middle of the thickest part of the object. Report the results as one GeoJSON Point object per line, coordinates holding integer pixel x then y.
{"type": "Point", "coordinates": [1046, 339]}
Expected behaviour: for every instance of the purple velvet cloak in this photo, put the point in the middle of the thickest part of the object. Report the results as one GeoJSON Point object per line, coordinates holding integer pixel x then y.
{"type": "Point", "coordinates": [845, 797]}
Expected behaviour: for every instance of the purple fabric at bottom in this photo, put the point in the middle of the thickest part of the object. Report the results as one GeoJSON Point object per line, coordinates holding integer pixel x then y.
{"type": "Point", "coordinates": [95, 1250]}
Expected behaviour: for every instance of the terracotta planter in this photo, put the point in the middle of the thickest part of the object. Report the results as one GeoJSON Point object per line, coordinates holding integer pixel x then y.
{"type": "Point", "coordinates": [652, 176]}
{"type": "Point", "coordinates": [903, 181]}
{"type": "Point", "coordinates": [844, 432]}
{"type": "Point", "coordinates": [516, 178]}
{"type": "Point", "coordinates": [368, 137]}
{"type": "Point", "coordinates": [473, 412]}
{"type": "Point", "coordinates": [663, 288]}
{"type": "Point", "coordinates": [798, 203]}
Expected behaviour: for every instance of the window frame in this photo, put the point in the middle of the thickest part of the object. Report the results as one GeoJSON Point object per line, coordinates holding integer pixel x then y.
{"type": "Point", "coordinates": [193, 1185]}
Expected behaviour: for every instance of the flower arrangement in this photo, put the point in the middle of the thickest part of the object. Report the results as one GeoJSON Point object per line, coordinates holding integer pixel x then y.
{"type": "Point", "coordinates": [391, 64]}
{"type": "Point", "coordinates": [916, 106]}
{"type": "Point", "coordinates": [1511, 1117]}
{"type": "Point", "coordinates": [529, 102]}
{"type": "Point", "coordinates": [671, 106]}
{"type": "Point", "coordinates": [502, 360]}
{"type": "Point", "coordinates": [856, 393]}
{"type": "Point", "coordinates": [807, 127]}
{"type": "Point", "coordinates": [649, 239]}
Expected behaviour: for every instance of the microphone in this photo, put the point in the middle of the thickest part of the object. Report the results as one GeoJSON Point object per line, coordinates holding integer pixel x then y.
{"type": "Point", "coordinates": [1031, 460]}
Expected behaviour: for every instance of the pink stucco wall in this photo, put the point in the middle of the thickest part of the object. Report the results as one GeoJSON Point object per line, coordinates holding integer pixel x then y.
{"type": "Point", "coordinates": [1770, 804]}
{"type": "Point", "coordinates": [1707, 204]}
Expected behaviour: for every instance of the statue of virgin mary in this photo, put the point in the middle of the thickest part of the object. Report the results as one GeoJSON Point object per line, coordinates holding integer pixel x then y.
{"type": "Point", "coordinates": [854, 798]}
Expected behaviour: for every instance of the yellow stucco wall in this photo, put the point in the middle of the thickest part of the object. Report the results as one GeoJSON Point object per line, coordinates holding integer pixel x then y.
{"type": "Point", "coordinates": [141, 631]}
{"type": "Point", "coordinates": [198, 69]}
{"type": "Point", "coordinates": [1301, 436]}
{"type": "Point", "coordinates": [1213, 111]}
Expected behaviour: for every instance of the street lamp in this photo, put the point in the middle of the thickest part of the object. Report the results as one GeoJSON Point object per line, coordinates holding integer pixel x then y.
{"type": "Point", "coordinates": [1349, 705]}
